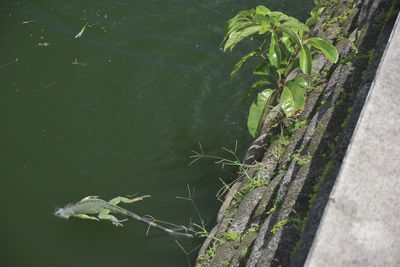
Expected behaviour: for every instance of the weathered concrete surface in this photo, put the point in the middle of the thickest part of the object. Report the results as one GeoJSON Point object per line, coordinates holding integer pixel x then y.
{"type": "Point", "coordinates": [361, 224]}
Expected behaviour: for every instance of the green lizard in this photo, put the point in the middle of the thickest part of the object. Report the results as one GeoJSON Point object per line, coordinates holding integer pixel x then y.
{"type": "Point", "coordinates": [94, 205]}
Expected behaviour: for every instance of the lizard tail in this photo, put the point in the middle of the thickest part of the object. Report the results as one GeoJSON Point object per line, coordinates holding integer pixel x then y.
{"type": "Point", "coordinates": [144, 220]}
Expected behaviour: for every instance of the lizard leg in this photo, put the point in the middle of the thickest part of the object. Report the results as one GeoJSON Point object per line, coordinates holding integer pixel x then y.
{"type": "Point", "coordinates": [104, 215]}
{"type": "Point", "coordinates": [84, 216]}
{"type": "Point", "coordinates": [116, 200]}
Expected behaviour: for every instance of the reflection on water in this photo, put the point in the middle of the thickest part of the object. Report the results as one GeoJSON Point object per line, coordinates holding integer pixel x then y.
{"type": "Point", "coordinates": [114, 112]}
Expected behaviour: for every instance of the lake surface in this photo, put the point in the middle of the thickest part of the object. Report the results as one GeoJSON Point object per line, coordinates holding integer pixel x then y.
{"type": "Point", "coordinates": [115, 112]}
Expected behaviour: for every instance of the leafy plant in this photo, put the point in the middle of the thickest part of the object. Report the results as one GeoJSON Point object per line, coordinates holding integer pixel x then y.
{"type": "Point", "coordinates": [314, 18]}
{"type": "Point", "coordinates": [284, 47]}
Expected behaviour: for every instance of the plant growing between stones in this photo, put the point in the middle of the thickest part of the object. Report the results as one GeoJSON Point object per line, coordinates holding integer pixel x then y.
{"type": "Point", "coordinates": [284, 47]}
{"type": "Point", "coordinates": [252, 181]}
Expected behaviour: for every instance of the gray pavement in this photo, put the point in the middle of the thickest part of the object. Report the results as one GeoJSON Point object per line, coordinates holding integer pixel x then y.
{"type": "Point", "coordinates": [361, 224]}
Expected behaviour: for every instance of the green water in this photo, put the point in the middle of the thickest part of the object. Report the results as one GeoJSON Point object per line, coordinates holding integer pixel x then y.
{"type": "Point", "coordinates": [151, 83]}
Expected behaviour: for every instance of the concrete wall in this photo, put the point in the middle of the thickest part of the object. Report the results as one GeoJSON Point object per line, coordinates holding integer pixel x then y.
{"type": "Point", "coordinates": [361, 224]}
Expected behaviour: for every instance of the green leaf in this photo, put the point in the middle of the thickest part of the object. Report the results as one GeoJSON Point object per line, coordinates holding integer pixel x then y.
{"type": "Point", "coordinates": [294, 36]}
{"type": "Point", "coordinates": [240, 64]}
{"type": "Point", "coordinates": [266, 26]}
{"type": "Point", "coordinates": [274, 54]}
{"type": "Point", "coordinates": [305, 60]}
{"type": "Point", "coordinates": [292, 98]}
{"type": "Point", "coordinates": [278, 16]}
{"type": "Point", "coordinates": [262, 69]}
{"type": "Point", "coordinates": [315, 16]}
{"type": "Point", "coordinates": [258, 18]}
{"type": "Point", "coordinates": [286, 41]}
{"type": "Point", "coordinates": [325, 47]}
{"type": "Point", "coordinates": [316, 11]}
{"type": "Point", "coordinates": [296, 24]}
{"type": "Point", "coordinates": [262, 10]}
{"type": "Point", "coordinates": [311, 21]}
{"type": "Point", "coordinates": [301, 82]}
{"type": "Point", "coordinates": [264, 30]}
{"type": "Point", "coordinates": [255, 86]}
{"type": "Point", "coordinates": [237, 36]}
{"type": "Point", "coordinates": [287, 102]}
{"type": "Point", "coordinates": [297, 94]}
{"type": "Point", "coordinates": [257, 110]}
{"type": "Point", "coordinates": [234, 27]}
{"type": "Point", "coordinates": [292, 65]}
{"type": "Point", "coordinates": [242, 16]}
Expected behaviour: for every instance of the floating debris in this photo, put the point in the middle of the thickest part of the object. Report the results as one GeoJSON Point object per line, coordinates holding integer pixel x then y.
{"type": "Point", "coordinates": [80, 33]}
{"type": "Point", "coordinates": [45, 44]}
{"type": "Point", "coordinates": [9, 63]}
{"type": "Point", "coordinates": [79, 63]}
{"type": "Point", "coordinates": [28, 21]}
{"type": "Point", "coordinates": [48, 85]}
